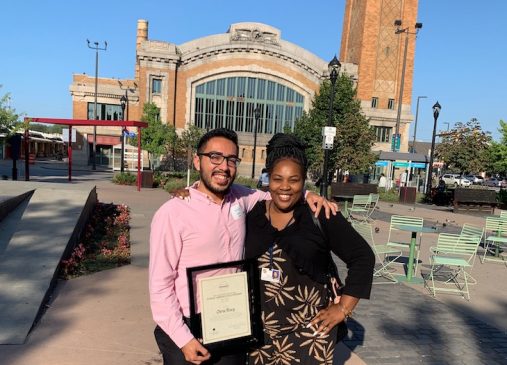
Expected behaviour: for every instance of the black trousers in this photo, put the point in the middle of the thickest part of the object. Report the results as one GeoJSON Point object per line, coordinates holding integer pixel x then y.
{"type": "Point", "coordinates": [172, 354]}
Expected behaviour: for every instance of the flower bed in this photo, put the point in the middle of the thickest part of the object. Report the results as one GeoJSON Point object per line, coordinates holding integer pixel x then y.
{"type": "Point", "coordinates": [105, 243]}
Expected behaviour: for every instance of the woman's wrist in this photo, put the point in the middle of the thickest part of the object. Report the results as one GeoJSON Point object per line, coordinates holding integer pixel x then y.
{"type": "Point", "coordinates": [346, 312]}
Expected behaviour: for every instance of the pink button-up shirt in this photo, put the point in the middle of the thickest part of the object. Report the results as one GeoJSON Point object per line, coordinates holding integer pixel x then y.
{"type": "Point", "coordinates": [193, 233]}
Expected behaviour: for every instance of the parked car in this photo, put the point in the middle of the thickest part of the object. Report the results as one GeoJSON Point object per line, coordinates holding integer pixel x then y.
{"type": "Point", "coordinates": [456, 180]}
{"type": "Point", "coordinates": [475, 179]}
{"type": "Point", "coordinates": [496, 183]}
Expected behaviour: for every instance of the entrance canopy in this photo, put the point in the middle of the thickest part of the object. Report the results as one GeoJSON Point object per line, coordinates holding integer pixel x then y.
{"type": "Point", "coordinates": [87, 122]}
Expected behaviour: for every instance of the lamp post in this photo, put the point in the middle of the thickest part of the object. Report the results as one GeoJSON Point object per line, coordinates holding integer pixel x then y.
{"type": "Point", "coordinates": [399, 30]}
{"type": "Point", "coordinates": [95, 116]}
{"type": "Point", "coordinates": [329, 132]}
{"type": "Point", "coordinates": [415, 122]}
{"type": "Point", "coordinates": [123, 102]}
{"type": "Point", "coordinates": [436, 112]}
{"type": "Point", "coordinates": [257, 113]}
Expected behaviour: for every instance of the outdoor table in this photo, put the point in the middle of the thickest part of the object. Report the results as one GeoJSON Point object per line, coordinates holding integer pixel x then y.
{"type": "Point", "coordinates": [413, 241]}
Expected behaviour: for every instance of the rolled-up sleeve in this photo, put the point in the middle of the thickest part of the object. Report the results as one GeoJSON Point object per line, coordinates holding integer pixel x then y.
{"type": "Point", "coordinates": [165, 250]}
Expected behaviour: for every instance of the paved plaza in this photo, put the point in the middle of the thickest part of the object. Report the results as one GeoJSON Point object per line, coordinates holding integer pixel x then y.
{"type": "Point", "coordinates": [105, 318]}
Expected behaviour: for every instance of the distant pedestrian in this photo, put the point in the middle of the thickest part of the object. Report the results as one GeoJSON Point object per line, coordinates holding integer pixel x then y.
{"type": "Point", "coordinates": [382, 182]}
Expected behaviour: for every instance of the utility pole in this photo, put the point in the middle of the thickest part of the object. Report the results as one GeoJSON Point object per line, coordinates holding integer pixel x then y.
{"type": "Point", "coordinates": [96, 47]}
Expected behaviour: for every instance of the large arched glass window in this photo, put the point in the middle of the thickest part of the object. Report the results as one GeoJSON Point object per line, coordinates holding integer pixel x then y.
{"type": "Point", "coordinates": [230, 103]}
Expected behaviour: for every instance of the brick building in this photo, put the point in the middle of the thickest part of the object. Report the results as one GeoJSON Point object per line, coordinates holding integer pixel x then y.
{"type": "Point", "coordinates": [218, 80]}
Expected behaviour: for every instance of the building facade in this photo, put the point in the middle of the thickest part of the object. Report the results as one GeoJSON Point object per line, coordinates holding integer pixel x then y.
{"type": "Point", "coordinates": [219, 81]}
{"type": "Point", "coordinates": [369, 40]}
{"type": "Point", "coordinates": [214, 81]}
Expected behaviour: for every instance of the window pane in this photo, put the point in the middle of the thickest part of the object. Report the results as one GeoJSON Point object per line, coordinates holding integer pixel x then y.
{"type": "Point", "coordinates": [240, 90]}
{"type": "Point", "coordinates": [251, 88]}
{"type": "Point", "coordinates": [156, 86]}
{"type": "Point", "coordinates": [261, 86]}
{"type": "Point", "coordinates": [280, 93]}
{"type": "Point", "coordinates": [210, 88]}
{"type": "Point", "coordinates": [231, 86]}
{"type": "Point", "coordinates": [221, 87]}
{"type": "Point", "coordinates": [271, 90]}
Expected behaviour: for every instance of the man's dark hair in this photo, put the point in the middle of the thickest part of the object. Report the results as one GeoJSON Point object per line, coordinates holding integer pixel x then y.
{"type": "Point", "coordinates": [286, 146]}
{"type": "Point", "coordinates": [218, 132]}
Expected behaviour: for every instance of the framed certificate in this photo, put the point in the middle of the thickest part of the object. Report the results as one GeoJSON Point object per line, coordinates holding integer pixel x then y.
{"type": "Point", "coordinates": [229, 304]}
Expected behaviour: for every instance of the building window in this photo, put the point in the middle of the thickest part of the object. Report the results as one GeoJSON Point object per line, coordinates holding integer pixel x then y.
{"type": "Point", "coordinates": [156, 86]}
{"type": "Point", "coordinates": [231, 102]}
{"type": "Point", "coordinates": [105, 111]}
{"type": "Point", "coordinates": [374, 102]}
{"type": "Point", "coordinates": [263, 153]}
{"type": "Point", "coordinates": [390, 104]}
{"type": "Point", "coordinates": [242, 152]}
{"type": "Point", "coordinates": [383, 134]}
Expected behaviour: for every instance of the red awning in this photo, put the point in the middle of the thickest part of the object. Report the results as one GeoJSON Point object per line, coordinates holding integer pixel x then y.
{"type": "Point", "coordinates": [104, 140]}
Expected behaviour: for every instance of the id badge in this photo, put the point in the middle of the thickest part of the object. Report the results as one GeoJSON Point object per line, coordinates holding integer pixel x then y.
{"type": "Point", "coordinates": [273, 276]}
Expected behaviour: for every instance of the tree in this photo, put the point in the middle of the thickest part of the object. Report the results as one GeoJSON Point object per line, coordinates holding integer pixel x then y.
{"type": "Point", "coordinates": [9, 120]}
{"type": "Point", "coordinates": [354, 136]}
{"type": "Point", "coordinates": [465, 147]}
{"type": "Point", "coordinates": [189, 139]}
{"type": "Point", "coordinates": [157, 137]}
{"type": "Point", "coordinates": [498, 152]}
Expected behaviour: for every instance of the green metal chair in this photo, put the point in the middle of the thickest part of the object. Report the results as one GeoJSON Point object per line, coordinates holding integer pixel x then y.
{"type": "Point", "coordinates": [374, 198]}
{"type": "Point", "coordinates": [471, 230]}
{"type": "Point", "coordinates": [453, 255]}
{"type": "Point", "coordinates": [503, 214]}
{"type": "Point", "coordinates": [385, 255]}
{"type": "Point", "coordinates": [359, 208]}
{"type": "Point", "coordinates": [496, 236]}
{"type": "Point", "coordinates": [401, 239]}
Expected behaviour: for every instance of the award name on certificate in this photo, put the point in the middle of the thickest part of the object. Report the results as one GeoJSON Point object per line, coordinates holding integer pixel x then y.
{"type": "Point", "coordinates": [225, 310]}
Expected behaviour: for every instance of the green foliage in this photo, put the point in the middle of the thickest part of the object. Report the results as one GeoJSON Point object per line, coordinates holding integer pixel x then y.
{"type": "Point", "coordinates": [125, 178]}
{"type": "Point", "coordinates": [498, 152]}
{"type": "Point", "coordinates": [46, 128]}
{"type": "Point", "coordinates": [246, 181]}
{"type": "Point", "coordinates": [9, 120]}
{"type": "Point", "coordinates": [189, 139]}
{"type": "Point", "coordinates": [157, 138]}
{"type": "Point", "coordinates": [465, 148]}
{"type": "Point", "coordinates": [354, 136]}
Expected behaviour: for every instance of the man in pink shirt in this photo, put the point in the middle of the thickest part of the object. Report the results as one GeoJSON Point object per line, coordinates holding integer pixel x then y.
{"type": "Point", "coordinates": [207, 229]}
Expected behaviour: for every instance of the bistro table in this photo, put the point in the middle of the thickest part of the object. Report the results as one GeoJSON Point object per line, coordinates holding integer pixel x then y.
{"type": "Point", "coordinates": [409, 278]}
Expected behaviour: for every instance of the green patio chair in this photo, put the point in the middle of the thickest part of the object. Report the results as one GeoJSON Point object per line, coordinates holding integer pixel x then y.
{"type": "Point", "coordinates": [360, 207]}
{"type": "Point", "coordinates": [374, 198]}
{"type": "Point", "coordinates": [471, 230]}
{"type": "Point", "coordinates": [401, 239]}
{"type": "Point", "coordinates": [496, 237]}
{"type": "Point", "coordinates": [384, 254]}
{"type": "Point", "coordinates": [450, 259]}
{"type": "Point", "coordinates": [503, 214]}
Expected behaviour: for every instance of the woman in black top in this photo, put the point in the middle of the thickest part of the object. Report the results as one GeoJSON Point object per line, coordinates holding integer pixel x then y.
{"type": "Point", "coordinates": [300, 324]}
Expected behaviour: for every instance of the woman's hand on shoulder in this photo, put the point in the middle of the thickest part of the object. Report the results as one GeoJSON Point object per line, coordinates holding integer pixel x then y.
{"type": "Point", "coordinates": [181, 193]}
{"type": "Point", "coordinates": [317, 202]}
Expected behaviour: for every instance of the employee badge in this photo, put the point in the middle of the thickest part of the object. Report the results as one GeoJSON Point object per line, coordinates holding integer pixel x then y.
{"type": "Point", "coordinates": [270, 275]}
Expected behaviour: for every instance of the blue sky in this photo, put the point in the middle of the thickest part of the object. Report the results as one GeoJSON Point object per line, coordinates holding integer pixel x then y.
{"type": "Point", "coordinates": [460, 52]}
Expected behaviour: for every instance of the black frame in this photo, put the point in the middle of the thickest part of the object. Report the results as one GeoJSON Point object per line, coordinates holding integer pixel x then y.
{"type": "Point", "coordinates": [256, 337]}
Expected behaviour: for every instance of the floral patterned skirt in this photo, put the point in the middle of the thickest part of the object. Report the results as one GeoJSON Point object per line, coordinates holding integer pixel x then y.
{"type": "Point", "coordinates": [287, 308]}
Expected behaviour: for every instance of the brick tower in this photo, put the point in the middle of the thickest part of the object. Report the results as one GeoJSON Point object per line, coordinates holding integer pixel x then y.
{"type": "Point", "coordinates": [369, 40]}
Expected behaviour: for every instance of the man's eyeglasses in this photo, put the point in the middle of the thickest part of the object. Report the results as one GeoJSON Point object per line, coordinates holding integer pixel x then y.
{"type": "Point", "coordinates": [217, 158]}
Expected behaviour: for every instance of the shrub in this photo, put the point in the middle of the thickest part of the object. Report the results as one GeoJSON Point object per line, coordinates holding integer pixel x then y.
{"type": "Point", "coordinates": [125, 178]}
{"type": "Point", "coordinates": [104, 244]}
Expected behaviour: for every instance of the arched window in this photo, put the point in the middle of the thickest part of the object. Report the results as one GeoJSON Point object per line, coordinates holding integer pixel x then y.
{"type": "Point", "coordinates": [231, 102]}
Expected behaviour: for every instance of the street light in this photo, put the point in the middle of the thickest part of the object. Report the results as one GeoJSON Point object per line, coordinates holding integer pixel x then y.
{"type": "Point", "coordinates": [329, 132]}
{"type": "Point", "coordinates": [436, 112]}
{"type": "Point", "coordinates": [95, 116]}
{"type": "Point", "coordinates": [399, 30]}
{"type": "Point", "coordinates": [257, 113]}
{"type": "Point", "coordinates": [415, 123]}
{"type": "Point", "coordinates": [123, 102]}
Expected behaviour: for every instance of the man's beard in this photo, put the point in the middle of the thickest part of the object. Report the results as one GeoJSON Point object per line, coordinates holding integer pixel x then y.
{"type": "Point", "coordinates": [216, 189]}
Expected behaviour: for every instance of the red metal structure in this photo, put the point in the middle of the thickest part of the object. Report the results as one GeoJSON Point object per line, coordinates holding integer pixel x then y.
{"type": "Point", "coordinates": [86, 122]}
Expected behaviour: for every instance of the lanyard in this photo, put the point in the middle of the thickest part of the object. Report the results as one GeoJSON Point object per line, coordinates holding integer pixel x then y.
{"type": "Point", "coordinates": [272, 246]}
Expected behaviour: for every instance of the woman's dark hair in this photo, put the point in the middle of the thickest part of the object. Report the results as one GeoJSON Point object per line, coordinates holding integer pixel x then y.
{"type": "Point", "coordinates": [286, 146]}
{"type": "Point", "coordinates": [218, 132]}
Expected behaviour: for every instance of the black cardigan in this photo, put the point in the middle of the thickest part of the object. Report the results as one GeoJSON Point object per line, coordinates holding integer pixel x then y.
{"type": "Point", "coordinates": [305, 244]}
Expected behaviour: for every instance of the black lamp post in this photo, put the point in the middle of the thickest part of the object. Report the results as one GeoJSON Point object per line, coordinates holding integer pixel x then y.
{"type": "Point", "coordinates": [123, 102]}
{"type": "Point", "coordinates": [399, 30]}
{"type": "Point", "coordinates": [257, 113]}
{"type": "Point", "coordinates": [436, 112]}
{"type": "Point", "coordinates": [334, 68]}
{"type": "Point", "coordinates": [95, 115]}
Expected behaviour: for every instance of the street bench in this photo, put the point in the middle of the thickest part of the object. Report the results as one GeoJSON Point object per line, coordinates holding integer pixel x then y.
{"type": "Point", "coordinates": [346, 191]}
{"type": "Point", "coordinates": [479, 200]}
